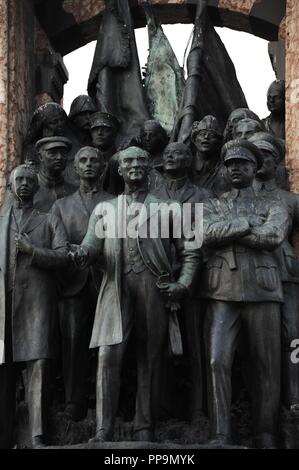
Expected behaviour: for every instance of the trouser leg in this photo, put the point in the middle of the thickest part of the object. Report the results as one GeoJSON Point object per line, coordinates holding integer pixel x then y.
{"type": "Point", "coordinates": [262, 323]}
{"type": "Point", "coordinates": [38, 388]}
{"type": "Point", "coordinates": [192, 331]}
{"type": "Point", "coordinates": [76, 319]}
{"type": "Point", "coordinates": [7, 405]}
{"type": "Point", "coordinates": [289, 333]}
{"type": "Point", "coordinates": [151, 323]}
{"type": "Point", "coordinates": [110, 359]}
{"type": "Point", "coordinates": [222, 328]}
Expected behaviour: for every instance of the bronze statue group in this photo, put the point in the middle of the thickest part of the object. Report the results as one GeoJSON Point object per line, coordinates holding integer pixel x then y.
{"type": "Point", "coordinates": [65, 290]}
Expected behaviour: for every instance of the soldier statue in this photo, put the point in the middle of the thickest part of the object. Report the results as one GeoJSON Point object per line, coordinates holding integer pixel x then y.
{"type": "Point", "coordinates": [265, 185]}
{"type": "Point", "coordinates": [53, 154]}
{"type": "Point", "coordinates": [104, 129]}
{"type": "Point", "coordinates": [81, 110]}
{"type": "Point", "coordinates": [242, 284]}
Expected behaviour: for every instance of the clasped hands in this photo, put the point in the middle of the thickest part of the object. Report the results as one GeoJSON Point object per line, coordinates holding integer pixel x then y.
{"type": "Point", "coordinates": [77, 254]}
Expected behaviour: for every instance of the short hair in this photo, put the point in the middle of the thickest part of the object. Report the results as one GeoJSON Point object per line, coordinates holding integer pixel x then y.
{"type": "Point", "coordinates": [259, 125]}
{"type": "Point", "coordinates": [88, 149]}
{"type": "Point", "coordinates": [159, 129]}
{"type": "Point", "coordinates": [181, 146]}
{"type": "Point", "coordinates": [135, 151]}
{"type": "Point", "coordinates": [27, 167]}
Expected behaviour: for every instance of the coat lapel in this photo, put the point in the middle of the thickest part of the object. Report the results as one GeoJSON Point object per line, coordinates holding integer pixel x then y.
{"type": "Point", "coordinates": [4, 228]}
{"type": "Point", "coordinates": [78, 200]}
{"type": "Point", "coordinates": [35, 219]}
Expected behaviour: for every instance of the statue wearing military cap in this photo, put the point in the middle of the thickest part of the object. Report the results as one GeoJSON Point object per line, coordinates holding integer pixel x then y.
{"type": "Point", "coordinates": [266, 185]}
{"type": "Point", "coordinates": [207, 170]}
{"type": "Point", "coordinates": [104, 129]}
{"type": "Point", "coordinates": [53, 153]}
{"type": "Point", "coordinates": [243, 290]}
{"type": "Point", "coordinates": [241, 149]}
{"type": "Point", "coordinates": [81, 109]}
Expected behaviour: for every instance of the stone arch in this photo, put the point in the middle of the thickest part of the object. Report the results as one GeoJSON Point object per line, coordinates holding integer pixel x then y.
{"type": "Point", "coordinates": [70, 24]}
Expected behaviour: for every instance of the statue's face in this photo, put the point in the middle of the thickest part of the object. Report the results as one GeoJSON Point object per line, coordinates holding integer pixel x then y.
{"type": "Point", "coordinates": [54, 159]}
{"type": "Point", "coordinates": [276, 99]}
{"type": "Point", "coordinates": [133, 168]}
{"type": "Point", "coordinates": [174, 159]}
{"type": "Point", "coordinates": [268, 170]}
{"type": "Point", "coordinates": [244, 130]}
{"type": "Point", "coordinates": [151, 138]}
{"type": "Point", "coordinates": [234, 118]}
{"type": "Point", "coordinates": [23, 184]}
{"type": "Point", "coordinates": [89, 165]}
{"type": "Point", "coordinates": [241, 172]}
{"type": "Point", "coordinates": [54, 122]}
{"type": "Point", "coordinates": [103, 137]}
{"type": "Point", "coordinates": [82, 120]}
{"type": "Point", "coordinates": [207, 141]}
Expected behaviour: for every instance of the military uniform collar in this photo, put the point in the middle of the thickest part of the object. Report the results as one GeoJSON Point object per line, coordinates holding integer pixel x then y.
{"type": "Point", "coordinates": [243, 192]}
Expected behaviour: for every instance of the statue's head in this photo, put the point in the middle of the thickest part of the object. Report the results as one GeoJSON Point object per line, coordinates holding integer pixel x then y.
{"type": "Point", "coordinates": [104, 128]}
{"type": "Point", "coordinates": [23, 182]}
{"type": "Point", "coordinates": [153, 136]}
{"type": "Point", "coordinates": [206, 135]}
{"type": "Point", "coordinates": [52, 118]}
{"type": "Point", "coordinates": [242, 160]}
{"type": "Point", "coordinates": [53, 154]}
{"type": "Point", "coordinates": [133, 165]}
{"type": "Point", "coordinates": [272, 150]}
{"type": "Point", "coordinates": [236, 116]}
{"type": "Point", "coordinates": [276, 97]}
{"type": "Point", "coordinates": [89, 163]}
{"type": "Point", "coordinates": [81, 110]}
{"type": "Point", "coordinates": [246, 128]}
{"type": "Point", "coordinates": [177, 158]}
